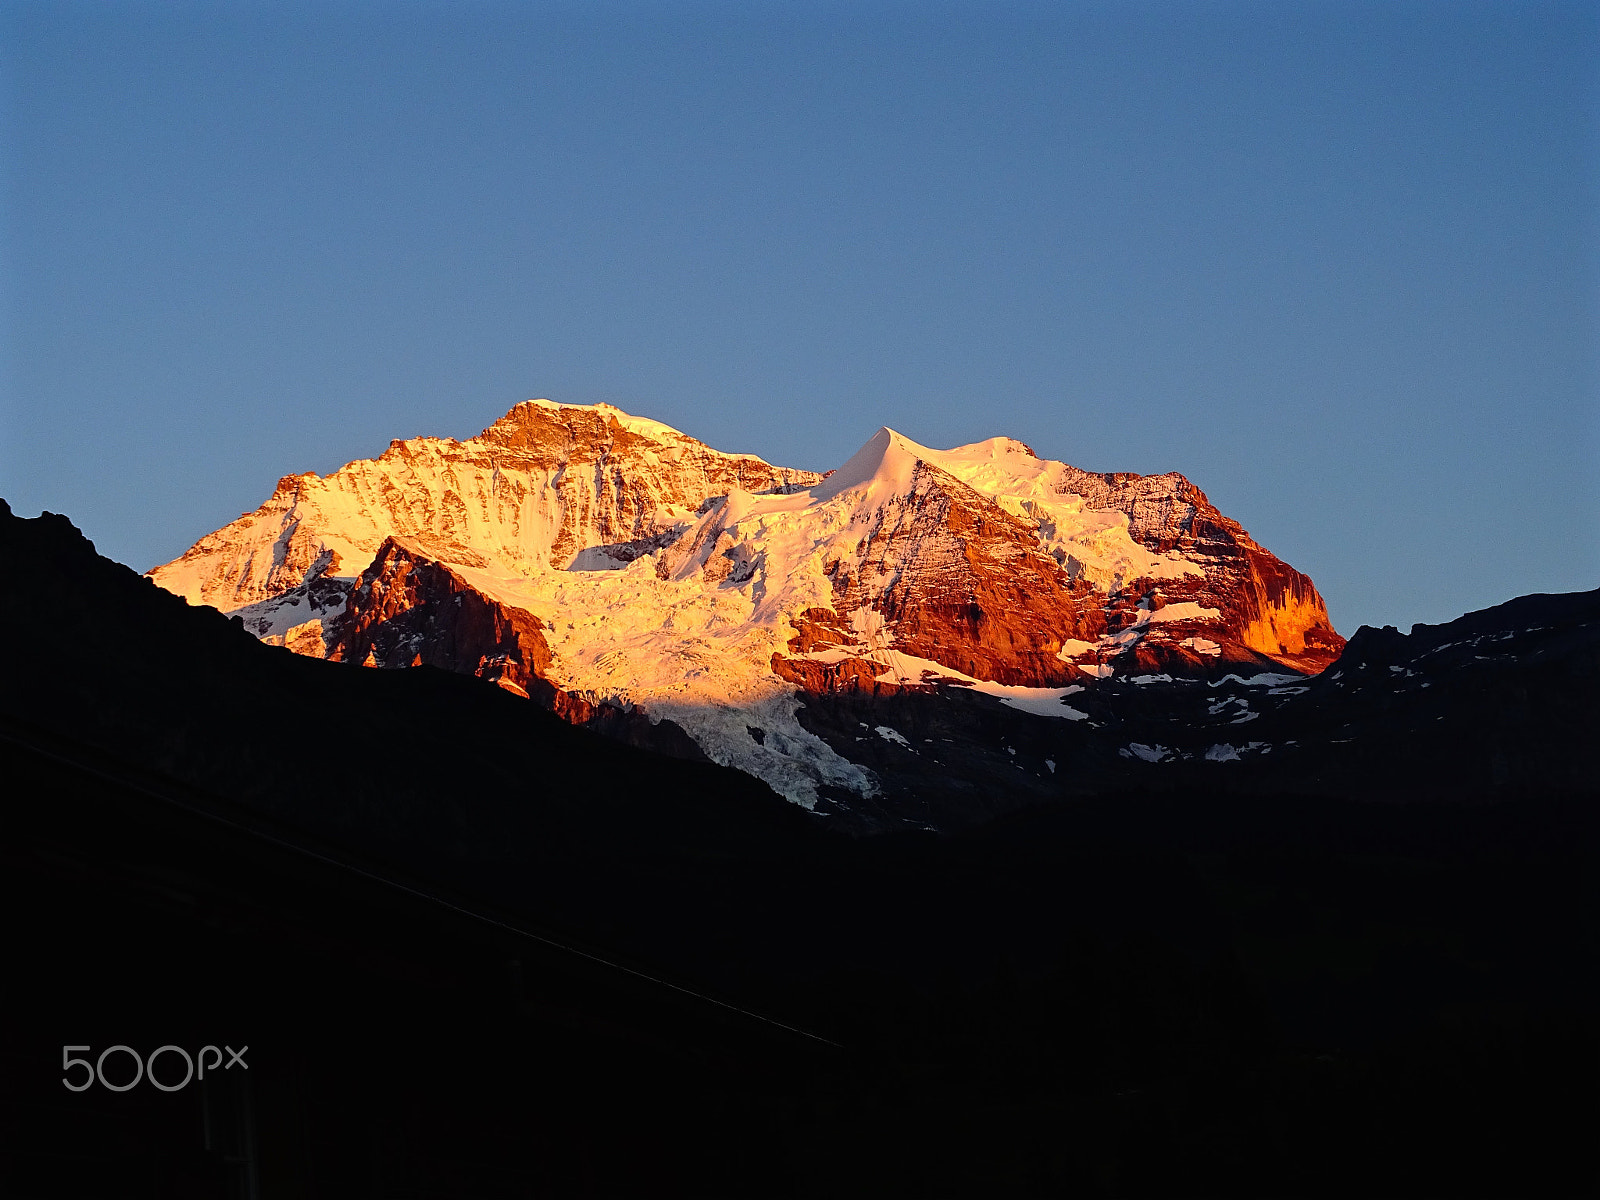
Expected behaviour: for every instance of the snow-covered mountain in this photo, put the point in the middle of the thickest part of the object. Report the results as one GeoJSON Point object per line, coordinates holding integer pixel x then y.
{"type": "Point", "coordinates": [604, 564]}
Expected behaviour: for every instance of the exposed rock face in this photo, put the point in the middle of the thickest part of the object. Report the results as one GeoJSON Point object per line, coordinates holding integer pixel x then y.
{"type": "Point", "coordinates": [610, 567]}
{"type": "Point", "coordinates": [541, 484]}
{"type": "Point", "coordinates": [1265, 606]}
{"type": "Point", "coordinates": [1046, 574]}
{"type": "Point", "coordinates": [409, 610]}
{"type": "Point", "coordinates": [959, 581]}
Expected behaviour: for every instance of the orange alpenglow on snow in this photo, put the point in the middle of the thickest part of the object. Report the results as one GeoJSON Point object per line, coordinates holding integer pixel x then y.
{"type": "Point", "coordinates": [587, 557]}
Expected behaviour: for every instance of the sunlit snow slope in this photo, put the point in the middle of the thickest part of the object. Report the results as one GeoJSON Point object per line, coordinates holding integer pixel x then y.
{"type": "Point", "coordinates": [594, 559]}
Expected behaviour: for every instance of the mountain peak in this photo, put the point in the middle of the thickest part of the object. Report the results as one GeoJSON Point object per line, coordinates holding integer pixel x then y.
{"type": "Point", "coordinates": [884, 464]}
{"type": "Point", "coordinates": [715, 589]}
{"type": "Point", "coordinates": [541, 412]}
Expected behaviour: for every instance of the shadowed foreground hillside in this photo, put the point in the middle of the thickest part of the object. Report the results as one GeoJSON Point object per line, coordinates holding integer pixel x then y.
{"type": "Point", "coordinates": [478, 952]}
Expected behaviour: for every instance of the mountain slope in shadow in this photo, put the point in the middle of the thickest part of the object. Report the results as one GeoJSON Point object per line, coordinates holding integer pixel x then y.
{"type": "Point", "coordinates": [1217, 988]}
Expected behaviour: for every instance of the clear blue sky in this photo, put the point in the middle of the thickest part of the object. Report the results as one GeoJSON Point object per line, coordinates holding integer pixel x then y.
{"type": "Point", "coordinates": [1337, 263]}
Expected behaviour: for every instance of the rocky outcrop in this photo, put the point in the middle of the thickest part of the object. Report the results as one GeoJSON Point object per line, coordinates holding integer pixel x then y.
{"type": "Point", "coordinates": [539, 486]}
{"type": "Point", "coordinates": [409, 610]}
{"type": "Point", "coordinates": [966, 585]}
{"type": "Point", "coordinates": [620, 572]}
{"type": "Point", "coordinates": [1000, 567]}
{"type": "Point", "coordinates": [622, 484]}
{"type": "Point", "coordinates": [1263, 607]}
{"type": "Point", "coordinates": [948, 576]}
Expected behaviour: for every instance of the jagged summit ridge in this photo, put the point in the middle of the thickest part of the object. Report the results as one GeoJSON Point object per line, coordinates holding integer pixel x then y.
{"type": "Point", "coordinates": [537, 487]}
{"type": "Point", "coordinates": [647, 572]}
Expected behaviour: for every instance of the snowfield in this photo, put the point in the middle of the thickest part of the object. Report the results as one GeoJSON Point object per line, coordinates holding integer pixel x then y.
{"type": "Point", "coordinates": [660, 586]}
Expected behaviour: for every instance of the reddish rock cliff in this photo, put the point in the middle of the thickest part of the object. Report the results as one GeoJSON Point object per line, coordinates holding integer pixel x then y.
{"type": "Point", "coordinates": [409, 610]}
{"type": "Point", "coordinates": [611, 567]}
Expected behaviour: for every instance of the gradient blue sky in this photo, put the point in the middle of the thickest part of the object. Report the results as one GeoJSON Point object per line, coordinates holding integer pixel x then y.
{"type": "Point", "coordinates": [1337, 263]}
